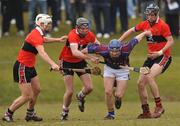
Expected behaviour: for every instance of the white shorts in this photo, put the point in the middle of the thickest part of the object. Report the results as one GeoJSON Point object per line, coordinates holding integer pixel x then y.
{"type": "Point", "coordinates": [119, 74]}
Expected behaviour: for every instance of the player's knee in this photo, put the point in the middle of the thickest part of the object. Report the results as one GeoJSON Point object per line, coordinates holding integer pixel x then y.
{"type": "Point", "coordinates": [150, 78]}
{"type": "Point", "coordinates": [28, 97]}
{"type": "Point", "coordinates": [37, 91]}
{"type": "Point", "coordinates": [69, 93]}
{"type": "Point", "coordinates": [108, 92]}
{"type": "Point", "coordinates": [142, 81]}
{"type": "Point", "coordinates": [141, 84]}
{"type": "Point", "coordinates": [89, 88]}
{"type": "Point", "coordinates": [119, 95]}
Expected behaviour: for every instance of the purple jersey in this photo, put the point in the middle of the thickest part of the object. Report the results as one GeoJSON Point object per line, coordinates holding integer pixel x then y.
{"type": "Point", "coordinates": [114, 63]}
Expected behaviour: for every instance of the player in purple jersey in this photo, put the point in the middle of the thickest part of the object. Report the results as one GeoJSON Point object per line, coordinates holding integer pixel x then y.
{"type": "Point", "coordinates": [116, 53]}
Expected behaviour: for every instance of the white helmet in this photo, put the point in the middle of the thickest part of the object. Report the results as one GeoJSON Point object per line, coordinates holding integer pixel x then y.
{"type": "Point", "coordinates": [43, 18]}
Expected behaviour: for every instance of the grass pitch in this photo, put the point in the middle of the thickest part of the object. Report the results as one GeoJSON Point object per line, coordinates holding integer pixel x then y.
{"type": "Point", "coordinates": [94, 113]}
{"type": "Point", "coordinates": [50, 100]}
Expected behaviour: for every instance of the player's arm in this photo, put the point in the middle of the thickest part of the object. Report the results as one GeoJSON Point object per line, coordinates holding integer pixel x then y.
{"type": "Point", "coordinates": [50, 39]}
{"type": "Point", "coordinates": [85, 50]}
{"type": "Point", "coordinates": [130, 45]}
{"type": "Point", "coordinates": [141, 36]}
{"type": "Point", "coordinates": [97, 41]}
{"type": "Point", "coordinates": [91, 46]}
{"type": "Point", "coordinates": [127, 48]}
{"type": "Point", "coordinates": [127, 34]}
{"type": "Point", "coordinates": [46, 58]}
{"type": "Point", "coordinates": [167, 34]}
{"type": "Point", "coordinates": [77, 53]}
{"type": "Point", "coordinates": [170, 42]}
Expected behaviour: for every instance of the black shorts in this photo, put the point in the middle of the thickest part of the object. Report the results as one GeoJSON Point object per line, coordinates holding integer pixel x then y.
{"type": "Point", "coordinates": [23, 74]}
{"type": "Point", "coordinates": [163, 60]}
{"type": "Point", "coordinates": [79, 65]}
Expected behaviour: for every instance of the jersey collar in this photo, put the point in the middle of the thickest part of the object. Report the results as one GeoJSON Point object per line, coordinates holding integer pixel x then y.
{"type": "Point", "coordinates": [40, 30]}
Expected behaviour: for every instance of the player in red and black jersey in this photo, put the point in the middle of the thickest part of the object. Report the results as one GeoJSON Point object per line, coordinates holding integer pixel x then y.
{"type": "Point", "coordinates": [72, 57]}
{"type": "Point", "coordinates": [24, 71]}
{"type": "Point", "coordinates": [158, 60]}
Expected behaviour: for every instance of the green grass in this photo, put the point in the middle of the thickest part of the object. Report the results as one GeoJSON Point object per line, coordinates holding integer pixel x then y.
{"type": "Point", "coordinates": [94, 113]}
{"type": "Point", "coordinates": [52, 85]}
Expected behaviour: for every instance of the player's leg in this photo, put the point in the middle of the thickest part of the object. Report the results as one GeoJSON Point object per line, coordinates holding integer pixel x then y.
{"type": "Point", "coordinates": [108, 89]}
{"type": "Point", "coordinates": [122, 76]}
{"type": "Point", "coordinates": [120, 90]}
{"type": "Point", "coordinates": [155, 71]}
{"type": "Point", "coordinates": [68, 80]}
{"type": "Point", "coordinates": [26, 95]}
{"type": "Point", "coordinates": [21, 76]}
{"type": "Point", "coordinates": [109, 80]}
{"type": "Point", "coordinates": [87, 88]}
{"type": "Point", "coordinates": [67, 98]}
{"type": "Point", "coordinates": [87, 85]}
{"type": "Point", "coordinates": [142, 82]}
{"type": "Point", "coordinates": [35, 84]}
{"type": "Point", "coordinates": [86, 80]}
{"type": "Point", "coordinates": [30, 114]}
{"type": "Point", "coordinates": [159, 66]}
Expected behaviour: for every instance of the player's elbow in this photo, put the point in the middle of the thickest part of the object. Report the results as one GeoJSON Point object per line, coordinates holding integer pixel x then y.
{"type": "Point", "coordinates": [75, 53]}
{"type": "Point", "coordinates": [170, 40]}
{"type": "Point", "coordinates": [85, 51]}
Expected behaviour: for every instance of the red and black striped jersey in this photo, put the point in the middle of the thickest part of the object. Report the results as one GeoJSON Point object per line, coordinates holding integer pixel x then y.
{"type": "Point", "coordinates": [73, 37]}
{"type": "Point", "coordinates": [160, 30]}
{"type": "Point", "coordinates": [27, 55]}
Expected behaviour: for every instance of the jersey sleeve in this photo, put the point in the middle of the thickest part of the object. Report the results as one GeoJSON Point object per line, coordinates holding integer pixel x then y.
{"type": "Point", "coordinates": [139, 27]}
{"type": "Point", "coordinates": [127, 48]}
{"type": "Point", "coordinates": [72, 38]}
{"type": "Point", "coordinates": [35, 39]}
{"type": "Point", "coordinates": [92, 48]}
{"type": "Point", "coordinates": [93, 37]}
{"type": "Point", "coordinates": [98, 49]}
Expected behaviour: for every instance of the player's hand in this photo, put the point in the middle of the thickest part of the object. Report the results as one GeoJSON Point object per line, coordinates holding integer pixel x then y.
{"type": "Point", "coordinates": [61, 66]}
{"type": "Point", "coordinates": [145, 70]}
{"type": "Point", "coordinates": [94, 59]}
{"type": "Point", "coordinates": [153, 55]}
{"type": "Point", "coordinates": [55, 67]}
{"type": "Point", "coordinates": [63, 38]}
{"type": "Point", "coordinates": [148, 33]}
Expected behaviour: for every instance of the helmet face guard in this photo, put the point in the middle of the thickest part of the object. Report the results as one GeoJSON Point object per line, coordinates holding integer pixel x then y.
{"type": "Point", "coordinates": [43, 18]}
{"type": "Point", "coordinates": [115, 48]}
{"type": "Point", "coordinates": [152, 9]}
{"type": "Point", "coordinates": [82, 25]}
